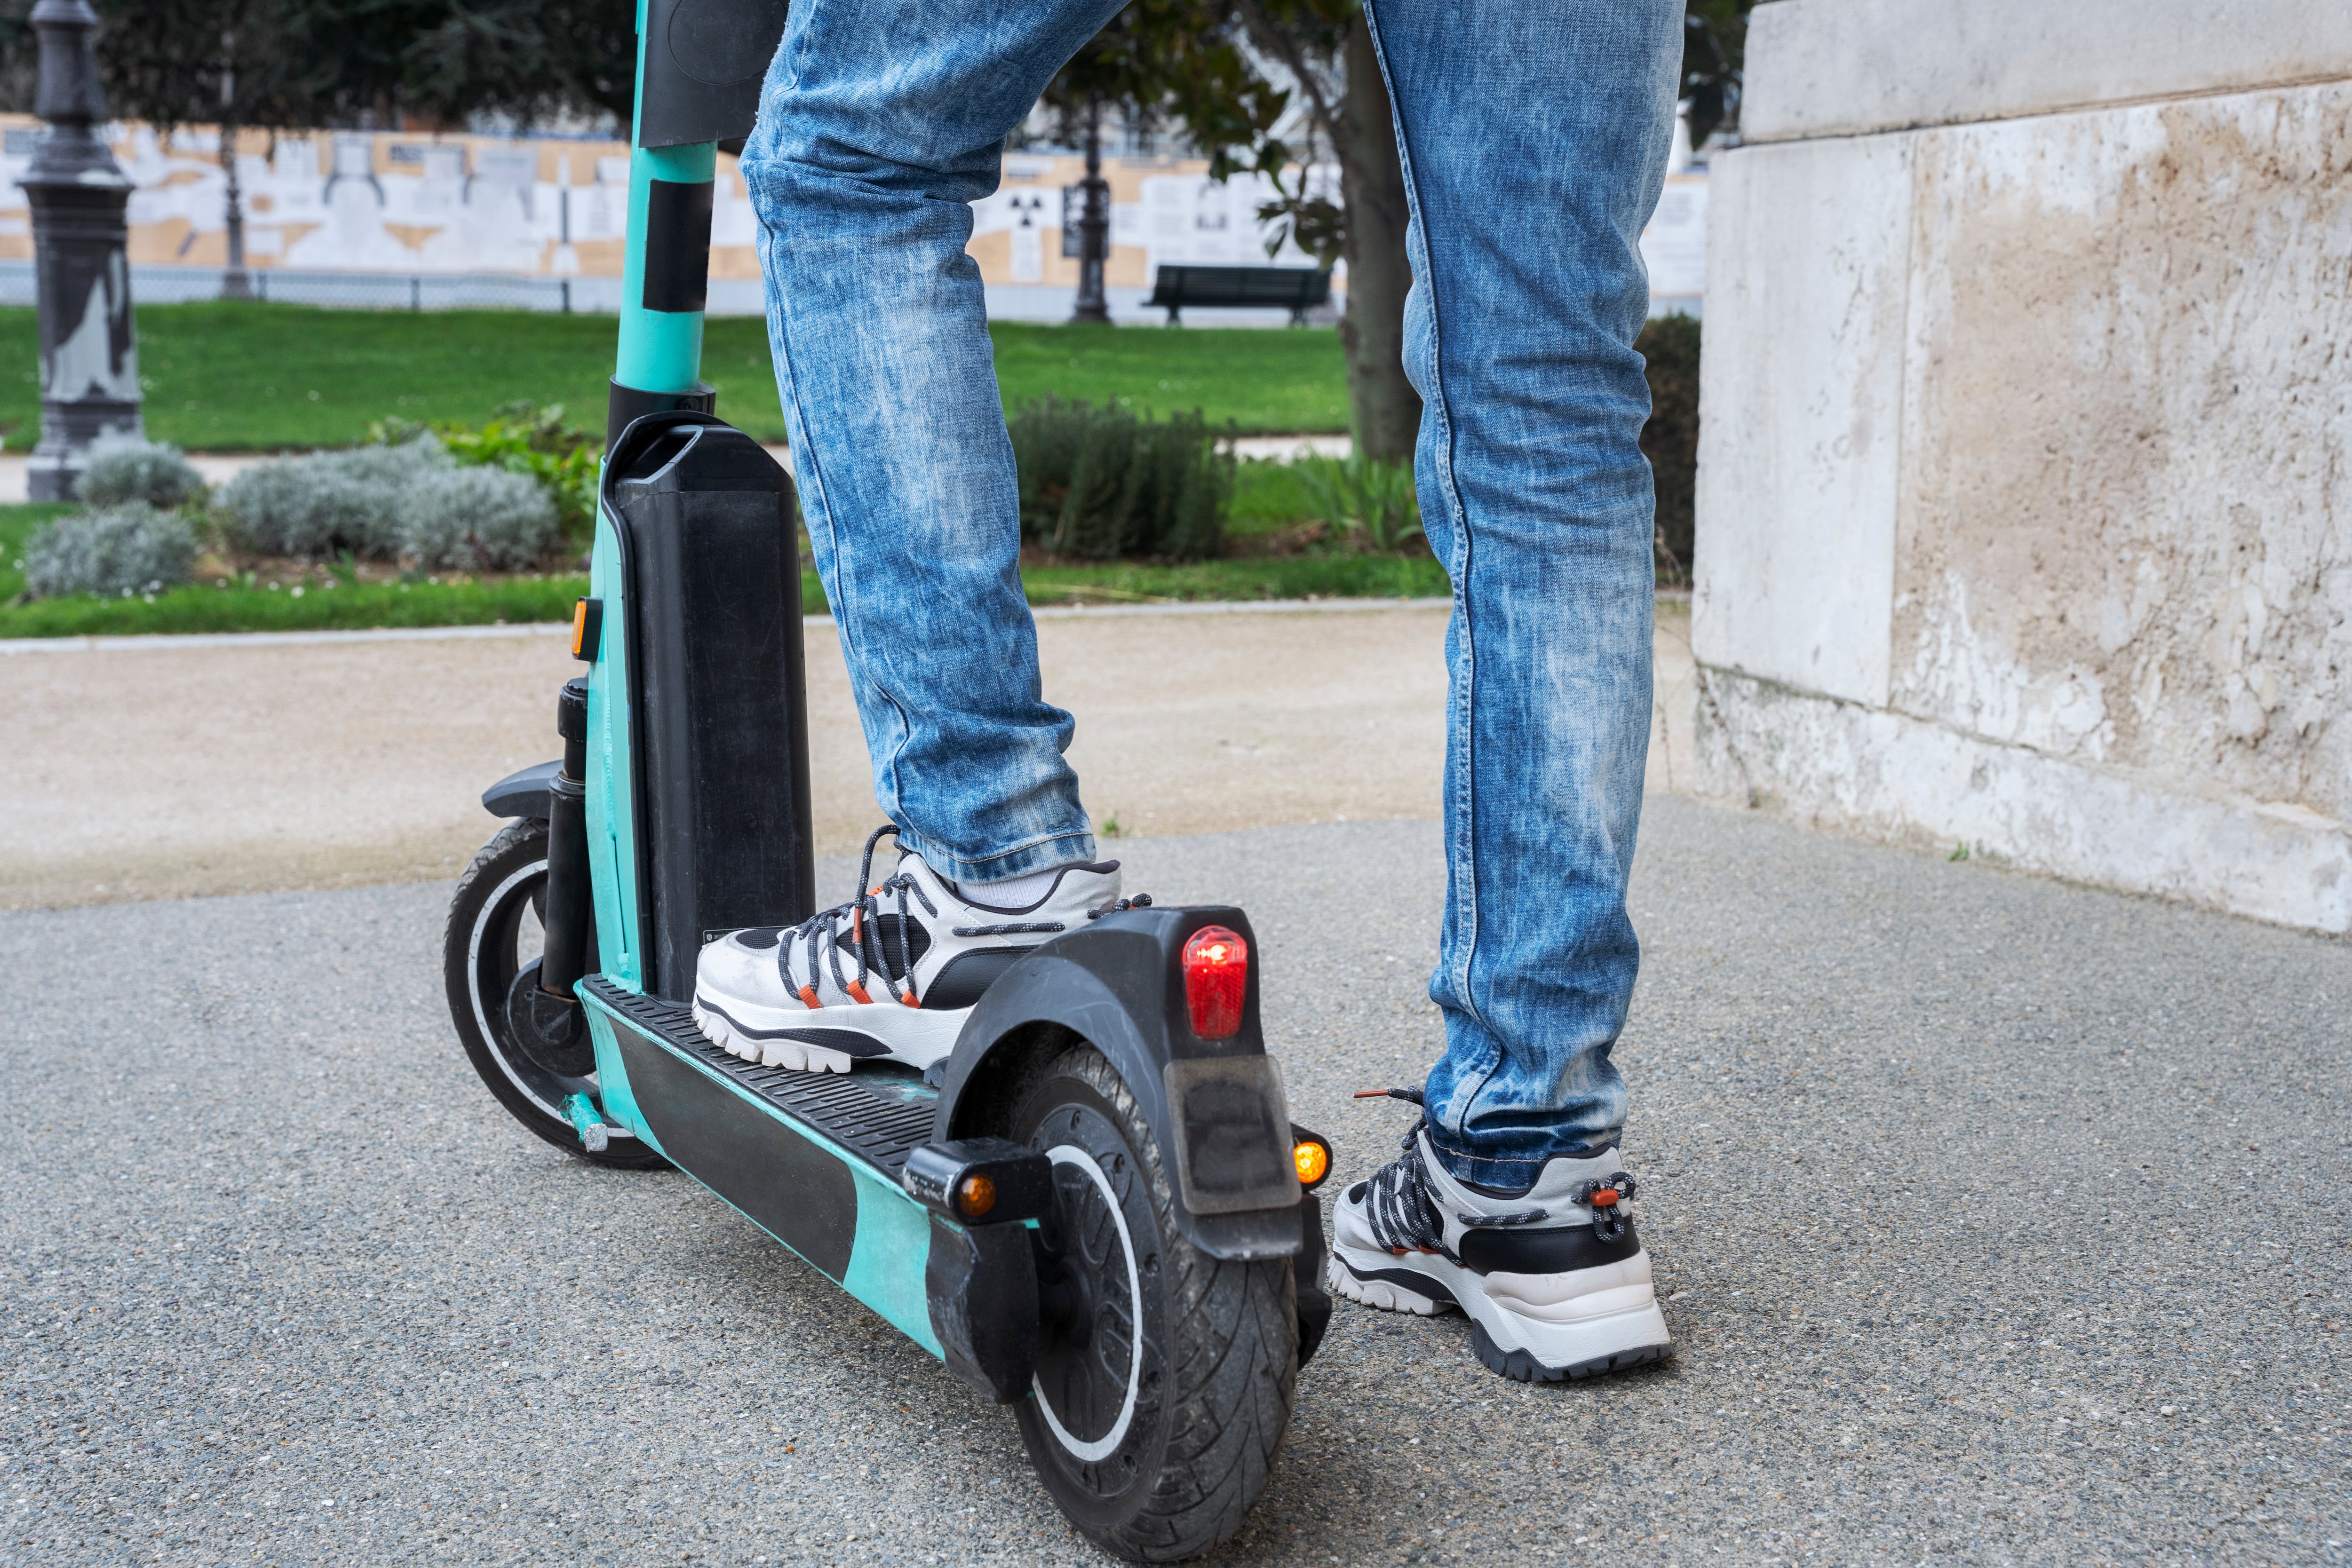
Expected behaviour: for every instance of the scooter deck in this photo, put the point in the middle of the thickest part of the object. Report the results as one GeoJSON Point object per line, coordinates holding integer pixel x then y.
{"type": "Point", "coordinates": [881, 1112]}
{"type": "Point", "coordinates": [814, 1159]}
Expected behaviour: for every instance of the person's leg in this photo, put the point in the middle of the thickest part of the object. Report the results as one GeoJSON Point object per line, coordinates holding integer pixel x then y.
{"type": "Point", "coordinates": [1534, 135]}
{"type": "Point", "coordinates": [880, 121]}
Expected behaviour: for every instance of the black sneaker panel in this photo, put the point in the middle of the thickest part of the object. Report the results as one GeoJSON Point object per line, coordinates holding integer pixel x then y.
{"type": "Point", "coordinates": [847, 1041]}
{"type": "Point", "coordinates": [1425, 1285]}
{"type": "Point", "coordinates": [1562, 1250]}
{"type": "Point", "coordinates": [967, 975]}
{"type": "Point", "coordinates": [883, 951]}
{"type": "Point", "coordinates": [761, 939]}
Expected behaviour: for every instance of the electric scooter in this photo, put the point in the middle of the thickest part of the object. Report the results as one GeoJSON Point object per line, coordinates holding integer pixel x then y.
{"type": "Point", "coordinates": [1096, 1210]}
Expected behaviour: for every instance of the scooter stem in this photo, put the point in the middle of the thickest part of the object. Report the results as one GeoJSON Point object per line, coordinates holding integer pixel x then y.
{"type": "Point", "coordinates": [666, 277]}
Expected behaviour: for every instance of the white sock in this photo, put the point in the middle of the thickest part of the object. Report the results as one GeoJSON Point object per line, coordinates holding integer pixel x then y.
{"type": "Point", "coordinates": [1012, 893]}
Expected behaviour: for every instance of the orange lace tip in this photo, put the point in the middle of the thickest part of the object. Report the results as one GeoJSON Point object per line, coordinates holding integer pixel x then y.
{"type": "Point", "coordinates": [1371, 1094]}
{"type": "Point", "coordinates": [1604, 1198]}
{"type": "Point", "coordinates": [857, 990]}
{"type": "Point", "coordinates": [808, 995]}
{"type": "Point", "coordinates": [909, 999]}
{"type": "Point", "coordinates": [1398, 1250]}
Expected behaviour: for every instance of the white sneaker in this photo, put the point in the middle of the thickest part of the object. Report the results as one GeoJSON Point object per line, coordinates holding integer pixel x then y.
{"type": "Point", "coordinates": [1552, 1276]}
{"type": "Point", "coordinates": [890, 976]}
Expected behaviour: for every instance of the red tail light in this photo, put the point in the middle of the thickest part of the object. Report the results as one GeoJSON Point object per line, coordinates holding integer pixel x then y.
{"type": "Point", "coordinates": [1216, 974]}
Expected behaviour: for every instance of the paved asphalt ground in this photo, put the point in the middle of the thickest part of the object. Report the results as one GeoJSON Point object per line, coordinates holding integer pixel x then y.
{"type": "Point", "coordinates": [2000, 1221]}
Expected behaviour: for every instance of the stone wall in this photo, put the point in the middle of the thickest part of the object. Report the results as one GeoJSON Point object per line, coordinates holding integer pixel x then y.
{"type": "Point", "coordinates": [2025, 479]}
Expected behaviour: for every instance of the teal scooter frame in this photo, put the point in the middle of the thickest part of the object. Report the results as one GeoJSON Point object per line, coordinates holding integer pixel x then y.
{"type": "Point", "coordinates": [1096, 1210]}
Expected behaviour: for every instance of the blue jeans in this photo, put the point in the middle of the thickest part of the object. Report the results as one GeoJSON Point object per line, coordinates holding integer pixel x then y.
{"type": "Point", "coordinates": [1534, 135]}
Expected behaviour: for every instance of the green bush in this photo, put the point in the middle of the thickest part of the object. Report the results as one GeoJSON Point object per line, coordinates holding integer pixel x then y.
{"type": "Point", "coordinates": [521, 438]}
{"type": "Point", "coordinates": [328, 502]}
{"type": "Point", "coordinates": [1100, 483]}
{"type": "Point", "coordinates": [1669, 347]}
{"type": "Point", "coordinates": [126, 468]}
{"type": "Point", "coordinates": [1364, 500]}
{"type": "Point", "coordinates": [114, 551]}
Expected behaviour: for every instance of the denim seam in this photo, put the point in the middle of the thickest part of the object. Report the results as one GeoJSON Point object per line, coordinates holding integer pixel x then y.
{"type": "Point", "coordinates": [961, 867]}
{"type": "Point", "coordinates": [846, 626]}
{"type": "Point", "coordinates": [1461, 826]}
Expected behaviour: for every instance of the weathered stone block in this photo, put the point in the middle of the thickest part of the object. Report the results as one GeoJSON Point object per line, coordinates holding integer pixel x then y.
{"type": "Point", "coordinates": [2083, 598]}
{"type": "Point", "coordinates": [1845, 68]}
{"type": "Point", "coordinates": [1804, 346]}
{"type": "Point", "coordinates": [2126, 519]}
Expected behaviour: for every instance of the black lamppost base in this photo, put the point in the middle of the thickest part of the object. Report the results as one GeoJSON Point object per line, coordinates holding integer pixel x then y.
{"type": "Point", "coordinates": [90, 358]}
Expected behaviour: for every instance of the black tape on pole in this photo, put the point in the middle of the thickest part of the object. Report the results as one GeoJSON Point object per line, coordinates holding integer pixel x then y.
{"type": "Point", "coordinates": [677, 246]}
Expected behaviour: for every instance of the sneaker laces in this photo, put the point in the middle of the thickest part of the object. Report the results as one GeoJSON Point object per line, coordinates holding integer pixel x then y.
{"type": "Point", "coordinates": [1401, 1202]}
{"type": "Point", "coordinates": [820, 937]}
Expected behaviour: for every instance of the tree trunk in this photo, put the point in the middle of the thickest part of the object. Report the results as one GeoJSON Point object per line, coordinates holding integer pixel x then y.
{"type": "Point", "coordinates": [235, 283]}
{"type": "Point", "coordinates": [1387, 410]}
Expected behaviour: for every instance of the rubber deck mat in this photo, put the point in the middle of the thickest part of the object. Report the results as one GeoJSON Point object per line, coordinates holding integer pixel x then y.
{"type": "Point", "coordinates": [882, 1111]}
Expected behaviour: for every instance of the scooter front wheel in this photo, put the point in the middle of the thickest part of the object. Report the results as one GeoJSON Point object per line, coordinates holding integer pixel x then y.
{"type": "Point", "coordinates": [1165, 1378]}
{"type": "Point", "coordinates": [493, 934]}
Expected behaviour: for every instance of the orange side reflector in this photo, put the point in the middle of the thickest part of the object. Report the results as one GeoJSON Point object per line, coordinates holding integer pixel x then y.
{"type": "Point", "coordinates": [1313, 1160]}
{"type": "Point", "coordinates": [975, 1195]}
{"type": "Point", "coordinates": [587, 628]}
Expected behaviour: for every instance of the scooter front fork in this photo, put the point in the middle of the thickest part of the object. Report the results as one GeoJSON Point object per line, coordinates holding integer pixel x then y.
{"type": "Point", "coordinates": [569, 913]}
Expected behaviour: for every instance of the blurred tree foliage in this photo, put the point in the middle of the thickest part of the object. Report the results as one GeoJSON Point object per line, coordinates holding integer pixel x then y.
{"type": "Point", "coordinates": [1715, 53]}
{"type": "Point", "coordinates": [273, 63]}
{"type": "Point", "coordinates": [1669, 347]}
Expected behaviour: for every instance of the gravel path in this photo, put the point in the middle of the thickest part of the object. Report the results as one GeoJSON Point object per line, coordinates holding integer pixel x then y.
{"type": "Point", "coordinates": [271, 765]}
{"type": "Point", "coordinates": [2002, 1222]}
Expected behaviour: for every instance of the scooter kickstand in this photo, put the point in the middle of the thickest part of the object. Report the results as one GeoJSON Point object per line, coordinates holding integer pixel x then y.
{"type": "Point", "coordinates": [589, 1121]}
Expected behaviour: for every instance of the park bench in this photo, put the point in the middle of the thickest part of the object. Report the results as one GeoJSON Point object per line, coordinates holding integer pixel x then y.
{"type": "Point", "coordinates": [1296, 290]}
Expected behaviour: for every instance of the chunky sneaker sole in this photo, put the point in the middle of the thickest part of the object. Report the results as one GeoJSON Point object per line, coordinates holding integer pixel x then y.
{"type": "Point", "coordinates": [1537, 1328]}
{"type": "Point", "coordinates": [828, 1039]}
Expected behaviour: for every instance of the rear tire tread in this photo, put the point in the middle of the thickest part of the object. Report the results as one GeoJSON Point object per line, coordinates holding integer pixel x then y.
{"type": "Point", "coordinates": [1231, 1404]}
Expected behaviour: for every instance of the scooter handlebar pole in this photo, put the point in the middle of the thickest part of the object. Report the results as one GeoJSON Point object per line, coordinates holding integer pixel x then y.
{"type": "Point", "coordinates": [664, 281]}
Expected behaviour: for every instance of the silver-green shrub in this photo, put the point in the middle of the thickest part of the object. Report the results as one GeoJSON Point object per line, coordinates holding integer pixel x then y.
{"type": "Point", "coordinates": [325, 503]}
{"type": "Point", "coordinates": [115, 550]}
{"type": "Point", "coordinates": [478, 517]}
{"type": "Point", "coordinates": [126, 468]}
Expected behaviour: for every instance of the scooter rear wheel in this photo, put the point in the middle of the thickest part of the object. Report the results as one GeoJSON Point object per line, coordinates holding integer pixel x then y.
{"type": "Point", "coordinates": [491, 936]}
{"type": "Point", "coordinates": [1165, 1382]}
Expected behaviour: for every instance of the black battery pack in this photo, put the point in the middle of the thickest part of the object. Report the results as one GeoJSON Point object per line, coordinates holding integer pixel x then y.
{"type": "Point", "coordinates": [709, 533]}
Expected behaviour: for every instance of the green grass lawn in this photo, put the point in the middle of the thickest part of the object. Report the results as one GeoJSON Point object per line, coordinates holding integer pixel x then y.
{"type": "Point", "coordinates": [248, 377]}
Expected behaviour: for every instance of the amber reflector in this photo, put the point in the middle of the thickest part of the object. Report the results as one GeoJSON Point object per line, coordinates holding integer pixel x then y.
{"type": "Point", "coordinates": [975, 1196]}
{"type": "Point", "coordinates": [1313, 1160]}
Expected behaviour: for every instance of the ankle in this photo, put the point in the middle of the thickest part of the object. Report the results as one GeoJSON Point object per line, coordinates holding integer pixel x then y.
{"type": "Point", "coordinates": [1011, 893]}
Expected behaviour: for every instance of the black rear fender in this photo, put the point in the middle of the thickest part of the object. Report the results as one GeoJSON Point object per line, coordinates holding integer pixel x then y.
{"type": "Point", "coordinates": [1216, 1107]}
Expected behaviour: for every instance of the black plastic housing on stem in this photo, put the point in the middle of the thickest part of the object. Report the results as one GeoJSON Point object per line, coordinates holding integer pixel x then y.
{"type": "Point", "coordinates": [569, 914]}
